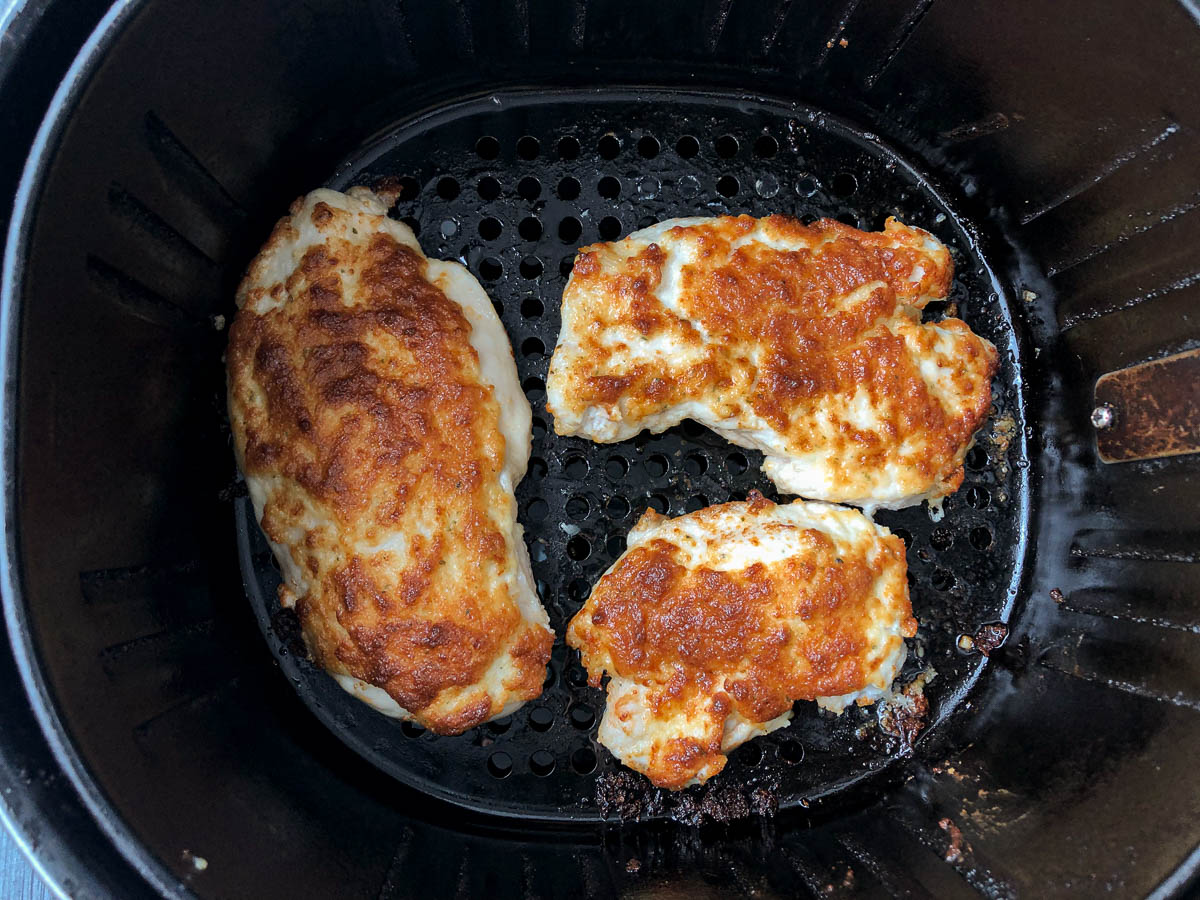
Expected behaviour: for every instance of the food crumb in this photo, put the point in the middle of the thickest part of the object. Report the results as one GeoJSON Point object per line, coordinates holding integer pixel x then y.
{"type": "Point", "coordinates": [990, 637]}
{"type": "Point", "coordinates": [954, 849]}
{"type": "Point", "coordinates": [843, 43]}
{"type": "Point", "coordinates": [219, 322]}
{"type": "Point", "coordinates": [199, 863]}
{"type": "Point", "coordinates": [633, 866]}
{"type": "Point", "coordinates": [1057, 595]}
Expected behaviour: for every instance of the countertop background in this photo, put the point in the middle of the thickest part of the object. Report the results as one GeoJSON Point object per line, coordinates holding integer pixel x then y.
{"type": "Point", "coordinates": [18, 881]}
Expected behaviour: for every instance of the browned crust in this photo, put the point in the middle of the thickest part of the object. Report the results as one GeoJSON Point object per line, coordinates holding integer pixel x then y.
{"type": "Point", "coordinates": [373, 411]}
{"type": "Point", "coordinates": [754, 640]}
{"type": "Point", "coordinates": [789, 308]}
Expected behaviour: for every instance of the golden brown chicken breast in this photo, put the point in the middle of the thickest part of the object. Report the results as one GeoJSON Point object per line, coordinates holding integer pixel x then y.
{"type": "Point", "coordinates": [804, 342]}
{"type": "Point", "coordinates": [381, 429]}
{"type": "Point", "coordinates": [712, 624]}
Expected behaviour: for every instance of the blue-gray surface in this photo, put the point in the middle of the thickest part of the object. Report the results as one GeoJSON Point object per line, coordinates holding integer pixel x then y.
{"type": "Point", "coordinates": [18, 881]}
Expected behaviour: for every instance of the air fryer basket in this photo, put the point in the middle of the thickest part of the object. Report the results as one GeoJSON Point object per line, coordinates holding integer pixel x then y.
{"type": "Point", "coordinates": [1055, 152]}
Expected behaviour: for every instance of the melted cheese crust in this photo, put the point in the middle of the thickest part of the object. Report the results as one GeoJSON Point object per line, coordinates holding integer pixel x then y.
{"type": "Point", "coordinates": [804, 342]}
{"type": "Point", "coordinates": [712, 624]}
{"type": "Point", "coordinates": [379, 422]}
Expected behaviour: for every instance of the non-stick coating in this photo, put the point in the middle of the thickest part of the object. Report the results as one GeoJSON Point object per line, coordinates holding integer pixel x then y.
{"type": "Point", "coordinates": [511, 185]}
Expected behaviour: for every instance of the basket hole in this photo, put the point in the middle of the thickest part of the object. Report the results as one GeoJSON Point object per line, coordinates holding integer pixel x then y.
{"type": "Point", "coordinates": [576, 676]}
{"type": "Point", "coordinates": [533, 347]}
{"type": "Point", "coordinates": [736, 463]}
{"type": "Point", "coordinates": [609, 146]}
{"type": "Point", "coordinates": [578, 507]}
{"type": "Point", "coordinates": [583, 761]}
{"type": "Point", "coordinates": [578, 548]}
{"type": "Point", "coordinates": [687, 146]}
{"type": "Point", "coordinates": [408, 188]}
{"type": "Point", "coordinates": [792, 752]}
{"type": "Point", "coordinates": [533, 386]}
{"type": "Point", "coordinates": [530, 228]}
{"type": "Point", "coordinates": [500, 764]}
{"type": "Point", "coordinates": [499, 726]}
{"type": "Point", "coordinates": [807, 186]}
{"type": "Point", "coordinates": [528, 147]}
{"type": "Point", "coordinates": [490, 268]}
{"type": "Point", "coordinates": [581, 715]}
{"type": "Point", "coordinates": [648, 146]}
{"type": "Point", "coordinates": [531, 267]}
{"type": "Point", "coordinates": [904, 535]}
{"type": "Point", "coordinates": [942, 539]}
{"type": "Point", "coordinates": [689, 186]}
{"type": "Point", "coordinates": [447, 188]}
{"type": "Point", "coordinates": [488, 188]}
{"type": "Point", "coordinates": [537, 510]}
{"type": "Point", "coordinates": [616, 467]}
{"type": "Point", "coordinates": [695, 464]}
{"type": "Point", "coordinates": [727, 185]}
{"type": "Point", "coordinates": [692, 429]}
{"type": "Point", "coordinates": [411, 222]}
{"type": "Point", "coordinates": [541, 763]}
{"type": "Point", "coordinates": [529, 188]}
{"type": "Point", "coordinates": [977, 459]}
{"type": "Point", "coordinates": [449, 228]}
{"type": "Point", "coordinates": [615, 545]}
{"type": "Point", "coordinates": [657, 466]}
{"type": "Point", "coordinates": [568, 188]}
{"type": "Point", "coordinates": [609, 187]}
{"type": "Point", "coordinates": [658, 503]}
{"type": "Point", "coordinates": [498, 307]}
{"type": "Point", "coordinates": [490, 228]}
{"type": "Point", "coordinates": [618, 507]}
{"type": "Point", "coordinates": [844, 184]}
{"type": "Point", "coordinates": [766, 146]}
{"type": "Point", "coordinates": [566, 265]}
{"type": "Point", "coordinates": [551, 677]}
{"type": "Point", "coordinates": [540, 718]}
{"type": "Point", "coordinates": [537, 465]}
{"type": "Point", "coordinates": [531, 308]}
{"type": "Point", "coordinates": [978, 496]}
{"type": "Point", "coordinates": [610, 228]}
{"type": "Point", "coordinates": [695, 502]}
{"type": "Point", "coordinates": [568, 147]}
{"type": "Point", "coordinates": [569, 230]}
{"type": "Point", "coordinates": [487, 147]}
{"type": "Point", "coordinates": [727, 146]}
{"type": "Point", "coordinates": [576, 467]}
{"type": "Point", "coordinates": [412, 729]}
{"type": "Point", "coordinates": [578, 590]}
{"type": "Point", "coordinates": [980, 537]}
{"type": "Point", "coordinates": [943, 579]}
{"type": "Point", "coordinates": [767, 186]}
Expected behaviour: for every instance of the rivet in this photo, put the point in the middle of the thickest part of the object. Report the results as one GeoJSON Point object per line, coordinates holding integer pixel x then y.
{"type": "Point", "coordinates": [1103, 416]}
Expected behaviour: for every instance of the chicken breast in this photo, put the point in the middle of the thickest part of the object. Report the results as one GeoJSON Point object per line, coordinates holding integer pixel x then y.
{"type": "Point", "coordinates": [381, 429]}
{"type": "Point", "coordinates": [804, 342]}
{"type": "Point", "coordinates": [712, 624]}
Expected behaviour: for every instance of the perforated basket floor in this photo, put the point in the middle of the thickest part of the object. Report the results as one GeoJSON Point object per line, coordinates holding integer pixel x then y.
{"type": "Point", "coordinates": [511, 185]}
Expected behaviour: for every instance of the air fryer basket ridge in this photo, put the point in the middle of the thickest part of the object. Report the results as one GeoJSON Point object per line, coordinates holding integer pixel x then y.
{"type": "Point", "coordinates": [510, 185]}
{"type": "Point", "coordinates": [1061, 145]}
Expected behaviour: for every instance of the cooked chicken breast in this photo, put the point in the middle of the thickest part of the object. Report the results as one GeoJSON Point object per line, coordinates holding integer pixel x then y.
{"type": "Point", "coordinates": [381, 429]}
{"type": "Point", "coordinates": [804, 342]}
{"type": "Point", "coordinates": [712, 624]}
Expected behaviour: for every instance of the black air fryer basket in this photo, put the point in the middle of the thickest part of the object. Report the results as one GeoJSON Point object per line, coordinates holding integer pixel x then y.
{"type": "Point", "coordinates": [153, 743]}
